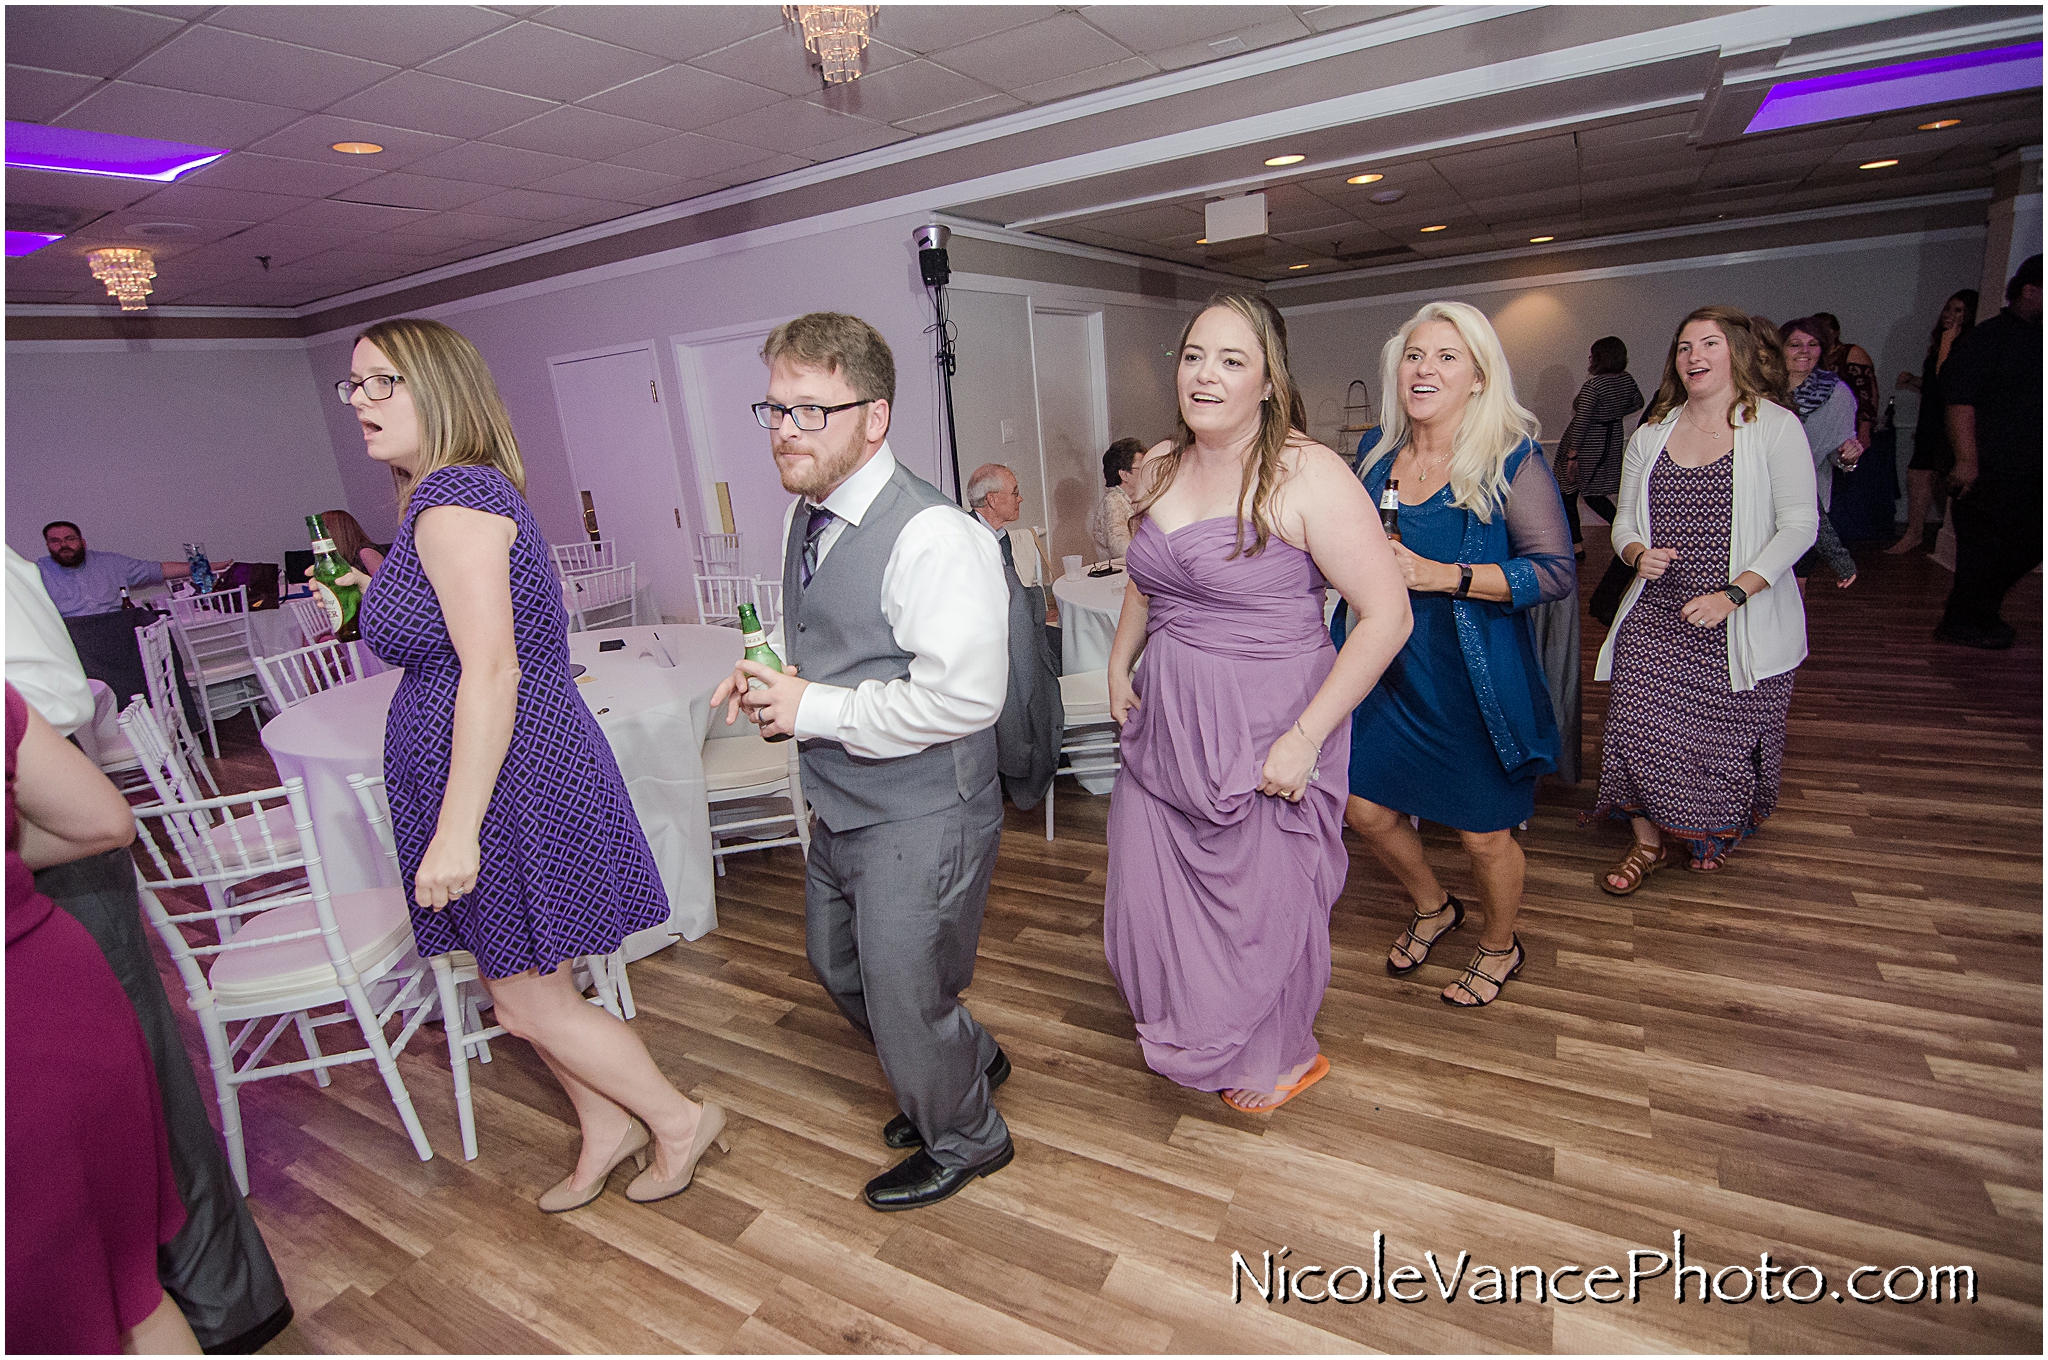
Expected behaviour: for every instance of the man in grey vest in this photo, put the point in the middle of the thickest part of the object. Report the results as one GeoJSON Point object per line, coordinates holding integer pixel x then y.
{"type": "Point", "coordinates": [1034, 720]}
{"type": "Point", "coordinates": [895, 614]}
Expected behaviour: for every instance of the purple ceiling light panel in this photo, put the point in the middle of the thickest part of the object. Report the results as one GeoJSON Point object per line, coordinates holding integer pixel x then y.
{"type": "Point", "coordinates": [1903, 85]}
{"type": "Point", "coordinates": [28, 242]}
{"type": "Point", "coordinates": [73, 151]}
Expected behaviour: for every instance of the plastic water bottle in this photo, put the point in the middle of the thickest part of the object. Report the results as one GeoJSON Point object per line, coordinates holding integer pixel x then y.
{"type": "Point", "coordinates": [202, 570]}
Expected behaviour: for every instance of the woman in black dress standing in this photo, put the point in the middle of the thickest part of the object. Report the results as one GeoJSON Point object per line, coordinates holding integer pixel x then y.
{"type": "Point", "coordinates": [1927, 474]}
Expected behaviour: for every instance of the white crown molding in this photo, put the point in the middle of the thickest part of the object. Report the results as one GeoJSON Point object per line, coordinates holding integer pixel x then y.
{"type": "Point", "coordinates": [1633, 237]}
{"type": "Point", "coordinates": [1626, 271]}
{"type": "Point", "coordinates": [1069, 293]}
{"type": "Point", "coordinates": [151, 346]}
{"type": "Point", "coordinates": [1053, 245]}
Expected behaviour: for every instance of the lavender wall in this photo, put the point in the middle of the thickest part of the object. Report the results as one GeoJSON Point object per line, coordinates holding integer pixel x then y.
{"type": "Point", "coordinates": [150, 446]}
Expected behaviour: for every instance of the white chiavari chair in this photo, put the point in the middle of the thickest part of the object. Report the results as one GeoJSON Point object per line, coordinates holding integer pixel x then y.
{"type": "Point", "coordinates": [1092, 742]}
{"type": "Point", "coordinates": [293, 677]}
{"type": "Point", "coordinates": [315, 623]}
{"type": "Point", "coordinates": [456, 978]}
{"type": "Point", "coordinates": [304, 953]}
{"type": "Point", "coordinates": [753, 786]}
{"type": "Point", "coordinates": [160, 677]}
{"type": "Point", "coordinates": [718, 554]}
{"type": "Point", "coordinates": [607, 598]}
{"type": "Point", "coordinates": [572, 559]}
{"type": "Point", "coordinates": [220, 655]}
{"type": "Point", "coordinates": [719, 599]}
{"type": "Point", "coordinates": [768, 602]}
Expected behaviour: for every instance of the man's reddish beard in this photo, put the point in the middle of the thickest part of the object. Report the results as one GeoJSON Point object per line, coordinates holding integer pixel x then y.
{"type": "Point", "coordinates": [829, 467]}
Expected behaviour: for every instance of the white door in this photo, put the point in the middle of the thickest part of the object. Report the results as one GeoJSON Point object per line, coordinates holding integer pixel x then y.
{"type": "Point", "coordinates": [624, 465]}
{"type": "Point", "coordinates": [722, 379]}
{"type": "Point", "coordinates": [1073, 422]}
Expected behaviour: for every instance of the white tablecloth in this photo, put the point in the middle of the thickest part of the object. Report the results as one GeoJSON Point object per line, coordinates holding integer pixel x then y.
{"type": "Point", "coordinates": [651, 698]}
{"type": "Point", "coordinates": [1089, 607]}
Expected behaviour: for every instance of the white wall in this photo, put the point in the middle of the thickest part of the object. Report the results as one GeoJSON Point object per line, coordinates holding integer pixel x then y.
{"type": "Point", "coordinates": [1887, 294]}
{"type": "Point", "coordinates": [149, 446]}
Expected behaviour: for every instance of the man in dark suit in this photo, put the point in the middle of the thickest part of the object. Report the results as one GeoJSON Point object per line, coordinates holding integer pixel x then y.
{"type": "Point", "coordinates": [1028, 731]}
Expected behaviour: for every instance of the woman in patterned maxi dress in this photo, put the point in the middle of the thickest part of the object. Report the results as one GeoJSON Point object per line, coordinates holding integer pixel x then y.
{"type": "Point", "coordinates": [514, 831]}
{"type": "Point", "coordinates": [1717, 504]}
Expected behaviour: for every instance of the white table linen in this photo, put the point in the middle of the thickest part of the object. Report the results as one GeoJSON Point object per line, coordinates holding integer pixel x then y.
{"type": "Point", "coordinates": [652, 700]}
{"type": "Point", "coordinates": [1089, 608]}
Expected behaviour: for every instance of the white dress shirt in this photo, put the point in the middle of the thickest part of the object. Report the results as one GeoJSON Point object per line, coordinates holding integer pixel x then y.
{"type": "Point", "coordinates": [41, 662]}
{"type": "Point", "coordinates": [947, 605]}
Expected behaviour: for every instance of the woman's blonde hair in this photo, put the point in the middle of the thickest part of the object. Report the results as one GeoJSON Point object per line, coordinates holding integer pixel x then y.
{"type": "Point", "coordinates": [1263, 471]}
{"type": "Point", "coordinates": [462, 417]}
{"type": "Point", "coordinates": [1755, 361]}
{"type": "Point", "coordinates": [1494, 424]}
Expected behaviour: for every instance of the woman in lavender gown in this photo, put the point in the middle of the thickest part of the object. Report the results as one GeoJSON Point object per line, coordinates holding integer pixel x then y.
{"type": "Point", "coordinates": [1226, 826]}
{"type": "Point", "coordinates": [514, 830]}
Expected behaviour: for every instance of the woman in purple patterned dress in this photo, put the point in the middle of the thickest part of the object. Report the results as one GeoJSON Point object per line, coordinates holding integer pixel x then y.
{"type": "Point", "coordinates": [1226, 829]}
{"type": "Point", "coordinates": [1717, 504]}
{"type": "Point", "coordinates": [514, 830]}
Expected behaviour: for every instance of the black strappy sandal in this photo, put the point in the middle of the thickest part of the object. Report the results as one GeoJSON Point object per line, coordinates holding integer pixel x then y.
{"type": "Point", "coordinates": [1472, 974]}
{"type": "Point", "coordinates": [1417, 948]}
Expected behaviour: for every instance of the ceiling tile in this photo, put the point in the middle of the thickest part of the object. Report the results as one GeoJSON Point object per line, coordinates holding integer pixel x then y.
{"type": "Point", "coordinates": [911, 90]}
{"type": "Point", "coordinates": [1640, 130]}
{"type": "Point", "coordinates": [94, 40]}
{"type": "Point", "coordinates": [215, 61]}
{"type": "Point", "coordinates": [583, 133]}
{"type": "Point", "coordinates": [1059, 46]}
{"type": "Point", "coordinates": [780, 61]}
{"type": "Point", "coordinates": [174, 115]}
{"type": "Point", "coordinates": [622, 184]}
{"type": "Point", "coordinates": [535, 206]}
{"type": "Point", "coordinates": [281, 244]}
{"type": "Point", "coordinates": [462, 225]}
{"type": "Point", "coordinates": [678, 32]}
{"type": "Point", "coordinates": [453, 108]}
{"type": "Point", "coordinates": [508, 167]}
{"type": "Point", "coordinates": [1080, 82]}
{"type": "Point", "coordinates": [182, 200]}
{"type": "Point", "coordinates": [927, 28]}
{"type": "Point", "coordinates": [401, 190]}
{"type": "Point", "coordinates": [334, 215]}
{"type": "Point", "coordinates": [874, 135]}
{"type": "Point", "coordinates": [690, 156]}
{"type": "Point", "coordinates": [313, 139]}
{"type": "Point", "coordinates": [971, 112]}
{"type": "Point", "coordinates": [755, 170]}
{"type": "Point", "coordinates": [119, 228]}
{"type": "Point", "coordinates": [281, 175]}
{"type": "Point", "coordinates": [682, 97]}
{"type": "Point", "coordinates": [402, 35]}
{"type": "Point", "coordinates": [35, 96]}
{"type": "Point", "coordinates": [791, 126]}
{"type": "Point", "coordinates": [544, 62]}
{"type": "Point", "coordinates": [1323, 18]}
{"type": "Point", "coordinates": [1154, 28]}
{"type": "Point", "coordinates": [1284, 29]}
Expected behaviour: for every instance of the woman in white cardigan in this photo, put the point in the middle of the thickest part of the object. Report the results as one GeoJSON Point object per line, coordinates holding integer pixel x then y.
{"type": "Point", "coordinates": [1717, 504]}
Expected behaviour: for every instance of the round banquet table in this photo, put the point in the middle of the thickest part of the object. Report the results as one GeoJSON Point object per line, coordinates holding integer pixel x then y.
{"type": "Point", "coordinates": [1089, 607]}
{"type": "Point", "coordinates": [652, 700]}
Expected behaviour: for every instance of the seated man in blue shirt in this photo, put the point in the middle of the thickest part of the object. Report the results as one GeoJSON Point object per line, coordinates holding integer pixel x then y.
{"type": "Point", "coordinates": [82, 582]}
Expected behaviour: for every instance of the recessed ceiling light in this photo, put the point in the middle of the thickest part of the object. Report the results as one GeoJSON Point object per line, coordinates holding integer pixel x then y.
{"type": "Point", "coordinates": [1441, 226]}
{"type": "Point", "coordinates": [1201, 240]}
{"type": "Point", "coordinates": [1365, 179]}
{"type": "Point", "coordinates": [1941, 123]}
{"type": "Point", "coordinates": [1390, 196]}
{"type": "Point", "coordinates": [1291, 158]}
{"type": "Point", "coordinates": [1299, 266]}
{"type": "Point", "coordinates": [1877, 165]}
{"type": "Point", "coordinates": [1539, 240]}
{"type": "Point", "coordinates": [358, 148]}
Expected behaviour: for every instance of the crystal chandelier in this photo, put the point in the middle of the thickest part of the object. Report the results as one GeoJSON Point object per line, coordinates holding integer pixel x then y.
{"type": "Point", "coordinates": [126, 271]}
{"type": "Point", "coordinates": [837, 33]}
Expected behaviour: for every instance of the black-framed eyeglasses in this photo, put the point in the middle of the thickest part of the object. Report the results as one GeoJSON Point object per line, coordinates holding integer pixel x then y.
{"type": "Point", "coordinates": [809, 419]}
{"type": "Point", "coordinates": [378, 387]}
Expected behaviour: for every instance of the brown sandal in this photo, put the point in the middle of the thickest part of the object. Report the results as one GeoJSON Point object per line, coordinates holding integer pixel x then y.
{"type": "Point", "coordinates": [1638, 864]}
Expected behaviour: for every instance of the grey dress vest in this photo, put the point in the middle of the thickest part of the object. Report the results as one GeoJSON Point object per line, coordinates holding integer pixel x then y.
{"type": "Point", "coordinates": [837, 635]}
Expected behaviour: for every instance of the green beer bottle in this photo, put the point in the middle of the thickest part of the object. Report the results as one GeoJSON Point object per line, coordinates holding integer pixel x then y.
{"type": "Point", "coordinates": [755, 639]}
{"type": "Point", "coordinates": [341, 602]}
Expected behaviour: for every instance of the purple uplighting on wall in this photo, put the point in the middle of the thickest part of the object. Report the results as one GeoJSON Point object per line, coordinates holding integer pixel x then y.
{"type": "Point", "coordinates": [74, 151]}
{"type": "Point", "coordinates": [29, 242]}
{"type": "Point", "coordinates": [1903, 85]}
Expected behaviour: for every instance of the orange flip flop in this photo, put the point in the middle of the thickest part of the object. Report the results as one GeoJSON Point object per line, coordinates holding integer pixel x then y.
{"type": "Point", "coordinates": [1317, 1070]}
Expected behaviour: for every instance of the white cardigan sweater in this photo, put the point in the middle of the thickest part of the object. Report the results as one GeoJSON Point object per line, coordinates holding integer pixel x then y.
{"type": "Point", "coordinates": [1771, 525]}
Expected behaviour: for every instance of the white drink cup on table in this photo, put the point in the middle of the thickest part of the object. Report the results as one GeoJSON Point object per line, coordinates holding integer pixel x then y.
{"type": "Point", "coordinates": [1073, 566]}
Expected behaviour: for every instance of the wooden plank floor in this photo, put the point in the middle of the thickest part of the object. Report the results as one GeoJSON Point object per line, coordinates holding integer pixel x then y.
{"type": "Point", "coordinates": [1831, 1052]}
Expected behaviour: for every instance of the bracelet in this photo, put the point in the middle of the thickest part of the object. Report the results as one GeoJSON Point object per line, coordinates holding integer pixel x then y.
{"type": "Point", "coordinates": [1305, 736]}
{"type": "Point", "coordinates": [1464, 581]}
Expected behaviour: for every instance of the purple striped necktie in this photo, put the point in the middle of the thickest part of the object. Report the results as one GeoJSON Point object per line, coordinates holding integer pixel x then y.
{"type": "Point", "coordinates": [813, 532]}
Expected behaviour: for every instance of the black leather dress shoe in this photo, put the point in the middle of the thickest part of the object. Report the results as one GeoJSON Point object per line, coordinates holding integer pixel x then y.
{"type": "Point", "coordinates": [901, 1133]}
{"type": "Point", "coordinates": [917, 1180]}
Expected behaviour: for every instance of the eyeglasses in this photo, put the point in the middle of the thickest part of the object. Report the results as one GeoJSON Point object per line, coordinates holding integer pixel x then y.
{"type": "Point", "coordinates": [808, 418]}
{"type": "Point", "coordinates": [378, 387]}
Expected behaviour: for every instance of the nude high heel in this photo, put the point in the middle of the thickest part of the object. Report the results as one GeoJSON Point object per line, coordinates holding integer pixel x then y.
{"type": "Point", "coordinates": [646, 1189]}
{"type": "Point", "coordinates": [561, 1199]}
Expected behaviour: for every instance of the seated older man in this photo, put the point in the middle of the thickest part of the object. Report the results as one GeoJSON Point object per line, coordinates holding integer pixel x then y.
{"type": "Point", "coordinates": [82, 581]}
{"type": "Point", "coordinates": [1029, 729]}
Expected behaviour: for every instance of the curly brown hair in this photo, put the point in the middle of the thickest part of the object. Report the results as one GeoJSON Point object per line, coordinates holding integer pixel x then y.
{"type": "Point", "coordinates": [1750, 355]}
